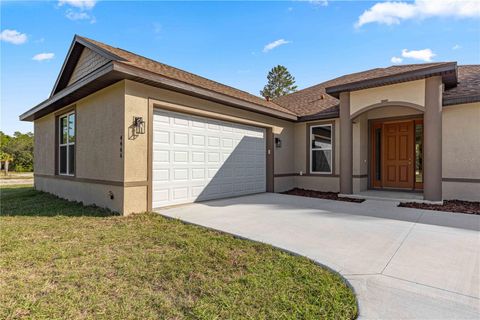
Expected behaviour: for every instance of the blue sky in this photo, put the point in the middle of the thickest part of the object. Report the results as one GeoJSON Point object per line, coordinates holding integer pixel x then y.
{"type": "Point", "coordinates": [235, 43]}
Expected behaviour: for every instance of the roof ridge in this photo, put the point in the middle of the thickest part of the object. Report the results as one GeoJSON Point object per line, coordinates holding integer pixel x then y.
{"type": "Point", "coordinates": [330, 80]}
{"type": "Point", "coordinates": [190, 73]}
{"type": "Point", "coordinates": [369, 70]}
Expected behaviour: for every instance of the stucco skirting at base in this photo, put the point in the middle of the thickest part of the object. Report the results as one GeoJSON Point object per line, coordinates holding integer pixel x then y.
{"type": "Point", "coordinates": [469, 191]}
{"type": "Point", "coordinates": [284, 183]}
{"type": "Point", "coordinates": [87, 193]}
{"type": "Point", "coordinates": [328, 183]}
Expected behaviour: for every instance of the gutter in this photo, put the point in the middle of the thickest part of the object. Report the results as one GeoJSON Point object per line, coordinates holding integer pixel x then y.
{"type": "Point", "coordinates": [30, 114]}
{"type": "Point", "coordinates": [443, 70]}
{"type": "Point", "coordinates": [115, 71]}
{"type": "Point", "coordinates": [147, 77]}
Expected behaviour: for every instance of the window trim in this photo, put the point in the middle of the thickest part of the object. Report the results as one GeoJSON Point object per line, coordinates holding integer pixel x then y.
{"type": "Point", "coordinates": [67, 144]}
{"type": "Point", "coordinates": [311, 149]}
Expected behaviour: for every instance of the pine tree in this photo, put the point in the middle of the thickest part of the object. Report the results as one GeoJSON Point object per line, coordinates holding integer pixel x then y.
{"type": "Point", "coordinates": [280, 83]}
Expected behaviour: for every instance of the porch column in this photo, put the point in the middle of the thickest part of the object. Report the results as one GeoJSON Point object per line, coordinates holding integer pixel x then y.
{"type": "Point", "coordinates": [432, 151]}
{"type": "Point", "coordinates": [346, 153]}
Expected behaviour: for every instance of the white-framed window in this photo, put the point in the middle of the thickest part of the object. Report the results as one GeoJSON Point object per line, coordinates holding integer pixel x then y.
{"type": "Point", "coordinates": [66, 144]}
{"type": "Point", "coordinates": [321, 152]}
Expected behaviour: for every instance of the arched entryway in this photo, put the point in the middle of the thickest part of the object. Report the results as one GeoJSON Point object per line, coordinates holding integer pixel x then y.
{"type": "Point", "coordinates": [405, 154]}
{"type": "Point", "coordinates": [388, 147]}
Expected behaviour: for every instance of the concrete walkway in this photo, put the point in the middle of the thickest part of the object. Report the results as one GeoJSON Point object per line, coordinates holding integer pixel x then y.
{"type": "Point", "coordinates": [403, 263]}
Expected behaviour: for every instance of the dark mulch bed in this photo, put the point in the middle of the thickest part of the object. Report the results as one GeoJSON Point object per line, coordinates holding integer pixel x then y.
{"type": "Point", "coordinates": [471, 207]}
{"type": "Point", "coordinates": [320, 194]}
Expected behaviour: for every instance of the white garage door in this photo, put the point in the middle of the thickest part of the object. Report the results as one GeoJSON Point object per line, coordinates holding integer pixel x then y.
{"type": "Point", "coordinates": [196, 158]}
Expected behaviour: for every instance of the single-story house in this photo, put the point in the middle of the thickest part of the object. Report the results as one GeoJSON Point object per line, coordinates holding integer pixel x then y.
{"type": "Point", "coordinates": [131, 134]}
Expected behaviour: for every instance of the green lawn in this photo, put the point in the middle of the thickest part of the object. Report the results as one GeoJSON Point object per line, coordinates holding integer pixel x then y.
{"type": "Point", "coordinates": [61, 260]}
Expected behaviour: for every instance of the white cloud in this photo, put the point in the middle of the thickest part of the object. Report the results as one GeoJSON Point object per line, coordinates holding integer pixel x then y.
{"type": "Point", "coordinates": [13, 36]}
{"type": "Point", "coordinates": [80, 4]}
{"type": "Point", "coordinates": [322, 3]}
{"type": "Point", "coordinates": [79, 9]}
{"type": "Point", "coordinates": [396, 60]}
{"type": "Point", "coordinates": [424, 55]}
{"type": "Point", "coordinates": [456, 47]}
{"type": "Point", "coordinates": [79, 15]}
{"type": "Point", "coordinates": [74, 15]}
{"type": "Point", "coordinates": [43, 56]}
{"type": "Point", "coordinates": [394, 12]}
{"type": "Point", "coordinates": [274, 44]}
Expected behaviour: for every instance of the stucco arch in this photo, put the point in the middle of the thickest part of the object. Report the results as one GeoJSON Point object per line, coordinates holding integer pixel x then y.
{"type": "Point", "coordinates": [387, 104]}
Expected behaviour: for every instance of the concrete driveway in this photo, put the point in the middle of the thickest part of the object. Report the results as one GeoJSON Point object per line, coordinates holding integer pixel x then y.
{"type": "Point", "coordinates": [403, 263]}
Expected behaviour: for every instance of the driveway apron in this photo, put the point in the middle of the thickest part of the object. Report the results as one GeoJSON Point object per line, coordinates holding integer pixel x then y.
{"type": "Point", "coordinates": [402, 263]}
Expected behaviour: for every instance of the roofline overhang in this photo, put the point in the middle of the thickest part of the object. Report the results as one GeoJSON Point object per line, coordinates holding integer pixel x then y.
{"type": "Point", "coordinates": [64, 97]}
{"type": "Point", "coordinates": [461, 100]}
{"type": "Point", "coordinates": [448, 71]}
{"type": "Point", "coordinates": [75, 54]}
{"type": "Point", "coordinates": [151, 78]}
{"type": "Point", "coordinates": [113, 72]}
{"type": "Point", "coordinates": [320, 116]}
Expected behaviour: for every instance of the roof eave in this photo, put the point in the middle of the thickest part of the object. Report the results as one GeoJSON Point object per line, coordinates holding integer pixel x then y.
{"type": "Point", "coordinates": [461, 100]}
{"type": "Point", "coordinates": [448, 71]}
{"type": "Point", "coordinates": [319, 116]}
{"type": "Point", "coordinates": [114, 72]}
{"type": "Point", "coordinates": [73, 54]}
{"type": "Point", "coordinates": [147, 77]}
{"type": "Point", "coordinates": [64, 97]}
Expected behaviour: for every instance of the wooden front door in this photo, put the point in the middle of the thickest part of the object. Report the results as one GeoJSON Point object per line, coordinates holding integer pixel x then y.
{"type": "Point", "coordinates": [398, 155]}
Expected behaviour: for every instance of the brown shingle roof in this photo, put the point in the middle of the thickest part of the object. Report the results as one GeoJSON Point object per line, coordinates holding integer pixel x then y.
{"type": "Point", "coordinates": [468, 83]}
{"type": "Point", "coordinates": [384, 73]}
{"type": "Point", "coordinates": [311, 101]}
{"type": "Point", "coordinates": [315, 102]}
{"type": "Point", "coordinates": [184, 76]}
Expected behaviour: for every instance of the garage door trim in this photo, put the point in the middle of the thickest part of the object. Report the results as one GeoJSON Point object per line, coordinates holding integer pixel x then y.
{"type": "Point", "coordinates": [154, 104]}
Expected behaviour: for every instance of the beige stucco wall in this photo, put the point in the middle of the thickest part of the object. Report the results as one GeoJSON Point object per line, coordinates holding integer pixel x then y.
{"type": "Point", "coordinates": [284, 183]}
{"type": "Point", "coordinates": [44, 145]}
{"type": "Point", "coordinates": [300, 145]}
{"type": "Point", "coordinates": [100, 123]}
{"type": "Point", "coordinates": [461, 150]}
{"type": "Point", "coordinates": [391, 112]}
{"type": "Point", "coordinates": [135, 199]}
{"type": "Point", "coordinates": [360, 153]}
{"type": "Point", "coordinates": [323, 183]}
{"type": "Point", "coordinates": [87, 193]}
{"type": "Point", "coordinates": [137, 103]}
{"type": "Point", "coordinates": [461, 190]}
{"type": "Point", "coordinates": [315, 182]}
{"type": "Point", "coordinates": [105, 116]}
{"type": "Point", "coordinates": [103, 119]}
{"type": "Point", "coordinates": [411, 92]}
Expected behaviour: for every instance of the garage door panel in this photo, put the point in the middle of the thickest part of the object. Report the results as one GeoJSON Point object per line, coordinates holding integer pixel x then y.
{"type": "Point", "coordinates": [213, 142]}
{"type": "Point", "coordinates": [197, 158]}
{"type": "Point", "coordinates": [198, 140]}
{"type": "Point", "coordinates": [161, 136]}
{"type": "Point", "coordinates": [161, 175]}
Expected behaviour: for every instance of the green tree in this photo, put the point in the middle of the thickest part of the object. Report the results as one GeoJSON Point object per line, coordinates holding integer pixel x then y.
{"type": "Point", "coordinates": [20, 148]}
{"type": "Point", "coordinates": [280, 83]}
{"type": "Point", "coordinates": [6, 159]}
